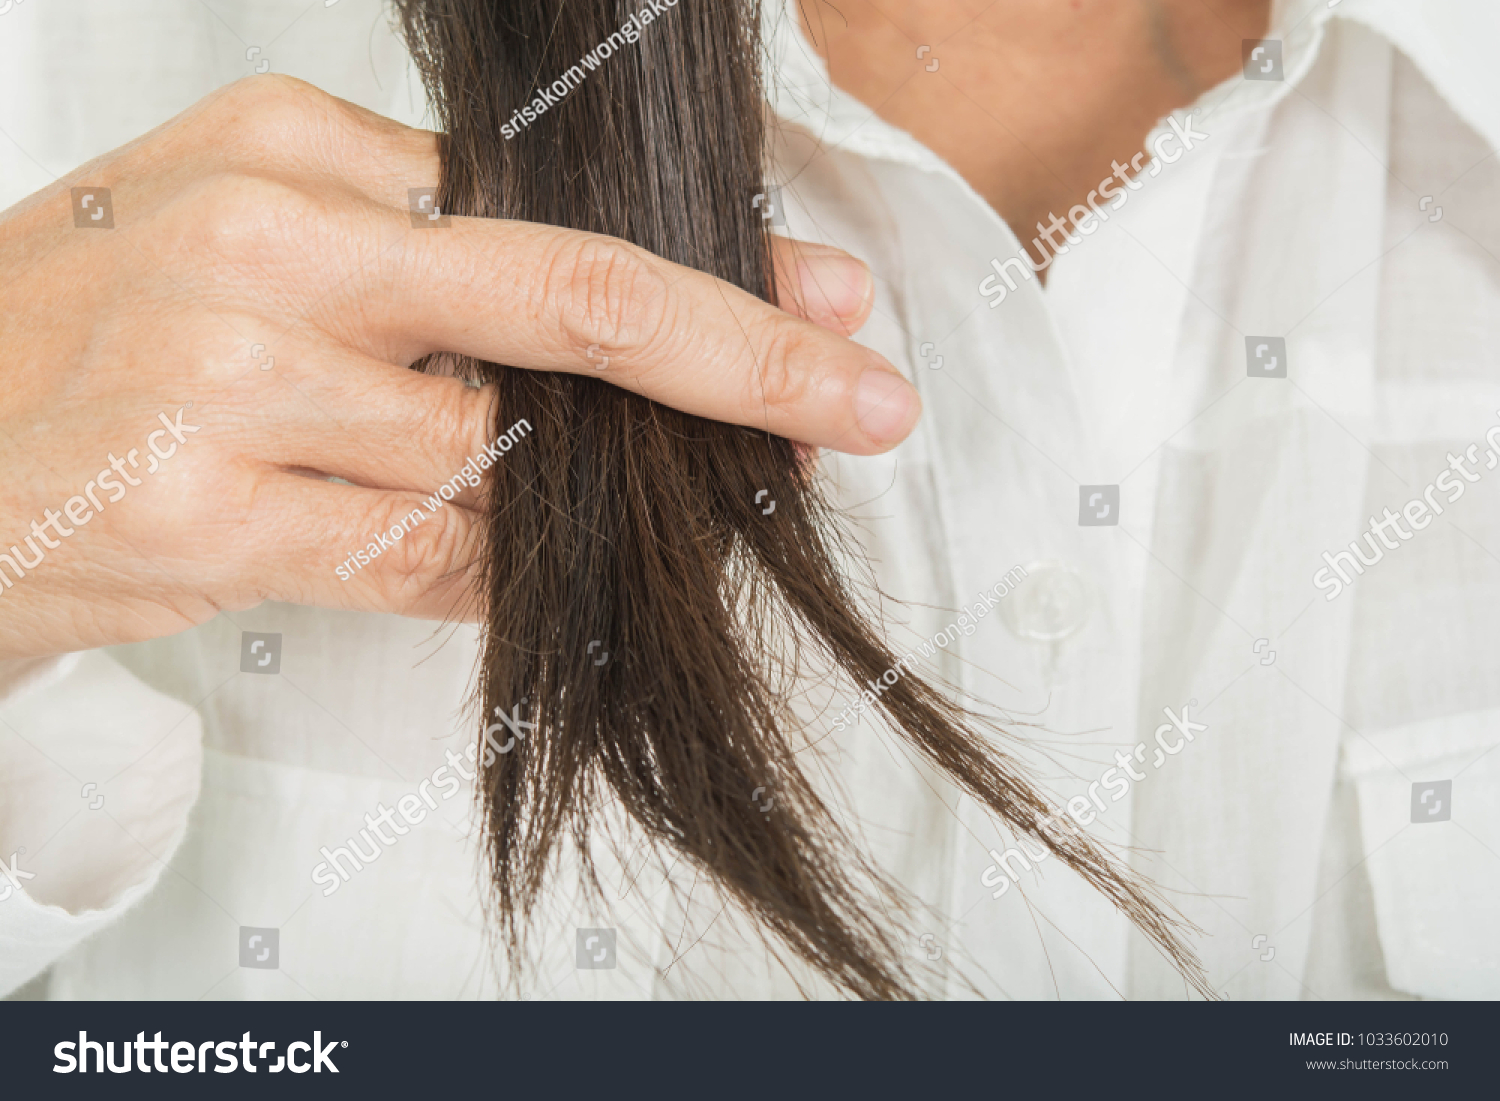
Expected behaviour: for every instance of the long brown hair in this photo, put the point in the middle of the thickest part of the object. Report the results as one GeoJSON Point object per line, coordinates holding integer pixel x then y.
{"type": "Point", "coordinates": [639, 528]}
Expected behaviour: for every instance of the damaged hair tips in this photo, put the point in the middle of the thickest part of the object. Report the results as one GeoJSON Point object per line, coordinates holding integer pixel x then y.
{"type": "Point", "coordinates": [634, 523]}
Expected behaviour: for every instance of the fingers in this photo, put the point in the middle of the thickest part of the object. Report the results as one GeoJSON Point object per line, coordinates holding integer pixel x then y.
{"type": "Point", "coordinates": [551, 299]}
{"type": "Point", "coordinates": [281, 125]}
{"type": "Point", "coordinates": [821, 283]}
{"type": "Point", "coordinates": [818, 282]}
{"type": "Point", "coordinates": [381, 426]}
{"type": "Point", "coordinates": [825, 285]}
{"type": "Point", "coordinates": [367, 550]}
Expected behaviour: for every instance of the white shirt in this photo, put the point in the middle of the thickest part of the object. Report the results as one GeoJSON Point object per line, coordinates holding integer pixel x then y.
{"type": "Point", "coordinates": [1291, 829]}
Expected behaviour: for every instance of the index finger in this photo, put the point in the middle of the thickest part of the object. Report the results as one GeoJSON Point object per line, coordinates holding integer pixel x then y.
{"type": "Point", "coordinates": [540, 297]}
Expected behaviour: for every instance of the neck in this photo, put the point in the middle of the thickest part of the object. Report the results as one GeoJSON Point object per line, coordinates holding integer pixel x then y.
{"type": "Point", "coordinates": [1033, 103]}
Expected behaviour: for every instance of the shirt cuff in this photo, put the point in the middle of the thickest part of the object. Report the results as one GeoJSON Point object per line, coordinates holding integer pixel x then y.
{"type": "Point", "coordinates": [21, 676]}
{"type": "Point", "coordinates": [98, 773]}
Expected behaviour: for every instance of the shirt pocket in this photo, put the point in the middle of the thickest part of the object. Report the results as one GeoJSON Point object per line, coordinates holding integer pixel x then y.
{"type": "Point", "coordinates": [1429, 814]}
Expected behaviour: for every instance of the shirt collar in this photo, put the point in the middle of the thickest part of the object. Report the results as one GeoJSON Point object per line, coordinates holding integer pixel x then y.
{"type": "Point", "coordinates": [1452, 42]}
{"type": "Point", "coordinates": [1447, 39]}
{"type": "Point", "coordinates": [801, 92]}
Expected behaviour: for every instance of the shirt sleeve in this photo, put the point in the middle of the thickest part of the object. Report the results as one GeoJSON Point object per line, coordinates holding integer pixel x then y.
{"type": "Point", "coordinates": [98, 774]}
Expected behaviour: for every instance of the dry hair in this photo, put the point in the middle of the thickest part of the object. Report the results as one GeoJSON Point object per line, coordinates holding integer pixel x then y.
{"type": "Point", "coordinates": [628, 522]}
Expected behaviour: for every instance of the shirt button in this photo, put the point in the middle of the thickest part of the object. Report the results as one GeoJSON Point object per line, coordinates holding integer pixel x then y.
{"type": "Point", "coordinates": [1051, 603]}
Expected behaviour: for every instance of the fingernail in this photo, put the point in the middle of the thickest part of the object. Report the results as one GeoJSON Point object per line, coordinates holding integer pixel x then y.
{"type": "Point", "coordinates": [836, 285]}
{"type": "Point", "coordinates": [885, 405]}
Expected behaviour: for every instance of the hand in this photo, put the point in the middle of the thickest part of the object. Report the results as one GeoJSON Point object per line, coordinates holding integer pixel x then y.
{"type": "Point", "coordinates": [179, 388]}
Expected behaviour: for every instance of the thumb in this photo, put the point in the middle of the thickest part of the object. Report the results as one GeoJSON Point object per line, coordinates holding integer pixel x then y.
{"type": "Point", "coordinates": [822, 284]}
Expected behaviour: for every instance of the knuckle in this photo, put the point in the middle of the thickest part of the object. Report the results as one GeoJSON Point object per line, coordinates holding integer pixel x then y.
{"type": "Point", "coordinates": [463, 413]}
{"type": "Point", "coordinates": [457, 411]}
{"type": "Point", "coordinates": [432, 546]}
{"type": "Point", "coordinates": [268, 115]}
{"type": "Point", "coordinates": [606, 292]}
{"type": "Point", "coordinates": [779, 378]}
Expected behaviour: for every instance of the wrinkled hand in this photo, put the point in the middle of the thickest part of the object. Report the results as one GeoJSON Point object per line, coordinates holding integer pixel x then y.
{"type": "Point", "coordinates": [179, 388]}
